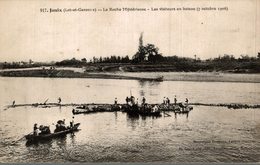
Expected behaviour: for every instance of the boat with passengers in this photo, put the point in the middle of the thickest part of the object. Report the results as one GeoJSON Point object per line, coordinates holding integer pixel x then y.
{"type": "Point", "coordinates": [45, 133]}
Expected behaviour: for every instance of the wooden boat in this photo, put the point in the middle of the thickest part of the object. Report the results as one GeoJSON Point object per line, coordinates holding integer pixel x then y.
{"type": "Point", "coordinates": [144, 110]}
{"type": "Point", "coordinates": [34, 138]}
{"type": "Point", "coordinates": [141, 110]}
{"type": "Point", "coordinates": [157, 79]}
{"type": "Point", "coordinates": [87, 109]}
{"type": "Point", "coordinates": [81, 110]}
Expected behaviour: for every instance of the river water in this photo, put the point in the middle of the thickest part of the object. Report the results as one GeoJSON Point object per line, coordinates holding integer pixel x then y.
{"type": "Point", "coordinates": [207, 134]}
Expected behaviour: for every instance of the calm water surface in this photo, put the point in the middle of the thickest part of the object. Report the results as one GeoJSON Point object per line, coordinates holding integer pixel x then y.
{"type": "Point", "coordinates": [208, 134]}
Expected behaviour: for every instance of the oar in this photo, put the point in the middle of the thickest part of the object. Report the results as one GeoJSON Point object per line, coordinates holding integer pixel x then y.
{"type": "Point", "coordinates": [168, 115]}
{"type": "Point", "coordinates": [6, 108]}
{"type": "Point", "coordinates": [46, 101]}
{"type": "Point", "coordinates": [19, 139]}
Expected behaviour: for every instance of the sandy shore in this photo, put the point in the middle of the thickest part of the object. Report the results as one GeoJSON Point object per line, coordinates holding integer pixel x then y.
{"type": "Point", "coordinates": [191, 76]}
{"type": "Point", "coordinates": [145, 76]}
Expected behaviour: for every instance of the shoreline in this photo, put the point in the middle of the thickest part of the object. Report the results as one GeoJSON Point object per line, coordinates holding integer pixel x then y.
{"type": "Point", "coordinates": [140, 76]}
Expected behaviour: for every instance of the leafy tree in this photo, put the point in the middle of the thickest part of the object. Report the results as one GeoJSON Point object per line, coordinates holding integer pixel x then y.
{"type": "Point", "coordinates": [152, 53]}
{"type": "Point", "coordinates": [140, 55]}
{"type": "Point", "coordinates": [148, 52]}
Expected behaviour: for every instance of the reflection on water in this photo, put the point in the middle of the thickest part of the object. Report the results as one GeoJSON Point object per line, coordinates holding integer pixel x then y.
{"type": "Point", "coordinates": [132, 121]}
{"type": "Point", "coordinates": [206, 134]}
{"type": "Point", "coordinates": [184, 114]}
{"type": "Point", "coordinates": [117, 136]}
{"type": "Point", "coordinates": [96, 91]}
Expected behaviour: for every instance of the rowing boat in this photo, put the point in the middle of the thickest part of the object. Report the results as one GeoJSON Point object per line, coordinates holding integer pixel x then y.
{"type": "Point", "coordinates": [87, 109]}
{"type": "Point", "coordinates": [34, 138]}
{"type": "Point", "coordinates": [141, 110]}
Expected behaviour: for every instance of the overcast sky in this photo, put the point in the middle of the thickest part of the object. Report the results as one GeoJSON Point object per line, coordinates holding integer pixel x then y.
{"type": "Point", "coordinates": [26, 33]}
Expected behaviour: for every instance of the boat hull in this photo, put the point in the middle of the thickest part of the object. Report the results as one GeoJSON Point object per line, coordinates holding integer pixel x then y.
{"type": "Point", "coordinates": [142, 111]}
{"type": "Point", "coordinates": [35, 138]}
{"type": "Point", "coordinates": [88, 109]}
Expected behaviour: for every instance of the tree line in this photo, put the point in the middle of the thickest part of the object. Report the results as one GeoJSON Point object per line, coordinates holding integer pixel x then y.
{"type": "Point", "coordinates": [150, 54]}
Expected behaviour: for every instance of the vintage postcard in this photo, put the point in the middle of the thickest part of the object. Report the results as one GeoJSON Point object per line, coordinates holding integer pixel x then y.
{"type": "Point", "coordinates": [91, 81]}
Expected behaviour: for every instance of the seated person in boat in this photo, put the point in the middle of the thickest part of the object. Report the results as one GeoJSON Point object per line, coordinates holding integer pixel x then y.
{"type": "Point", "coordinates": [60, 126]}
{"type": "Point", "coordinates": [72, 122]}
{"type": "Point", "coordinates": [44, 130]}
{"type": "Point", "coordinates": [155, 108]}
{"type": "Point", "coordinates": [147, 108]}
{"type": "Point", "coordinates": [145, 105]}
{"type": "Point", "coordinates": [35, 130]}
{"type": "Point", "coordinates": [132, 100]}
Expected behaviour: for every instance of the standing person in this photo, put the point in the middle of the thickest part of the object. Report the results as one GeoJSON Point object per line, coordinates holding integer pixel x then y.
{"type": "Point", "coordinates": [187, 101]}
{"type": "Point", "coordinates": [13, 103]}
{"type": "Point", "coordinates": [59, 100]}
{"type": "Point", "coordinates": [132, 100]}
{"type": "Point", "coordinates": [164, 100]}
{"type": "Point", "coordinates": [168, 101]}
{"type": "Point", "coordinates": [115, 101]}
{"type": "Point", "coordinates": [175, 100]}
{"type": "Point", "coordinates": [35, 129]}
{"type": "Point", "coordinates": [137, 101]}
{"type": "Point", "coordinates": [144, 100]}
{"type": "Point", "coordinates": [127, 100]}
{"type": "Point", "coordinates": [72, 122]}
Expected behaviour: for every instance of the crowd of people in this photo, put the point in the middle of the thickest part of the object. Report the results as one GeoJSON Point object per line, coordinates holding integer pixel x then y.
{"type": "Point", "coordinates": [166, 102]}
{"type": "Point", "coordinates": [132, 101]}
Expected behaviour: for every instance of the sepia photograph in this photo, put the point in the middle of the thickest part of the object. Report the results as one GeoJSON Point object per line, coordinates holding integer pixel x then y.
{"type": "Point", "coordinates": [130, 81]}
